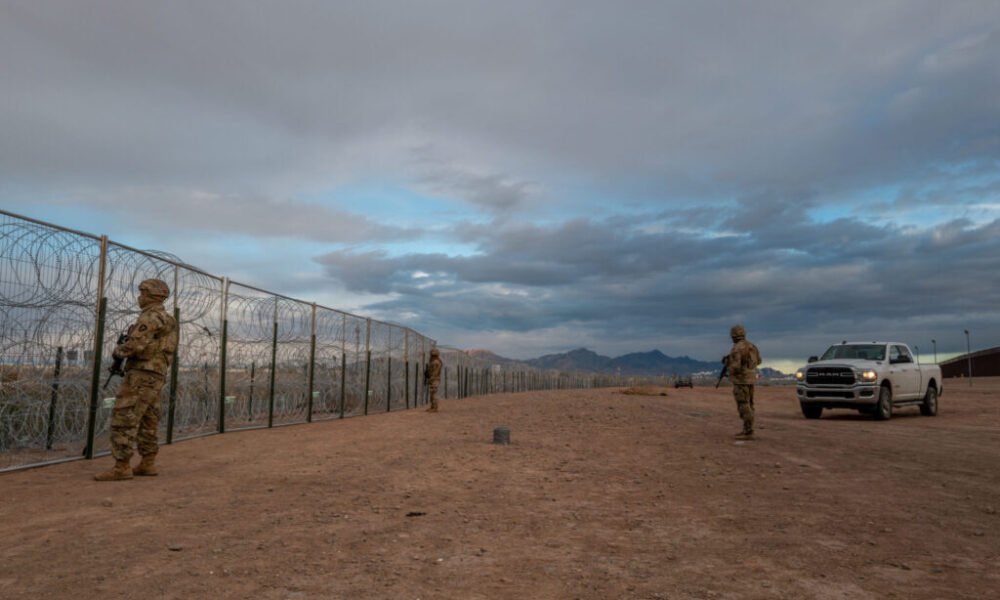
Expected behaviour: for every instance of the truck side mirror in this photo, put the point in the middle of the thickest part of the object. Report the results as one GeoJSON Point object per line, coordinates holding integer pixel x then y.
{"type": "Point", "coordinates": [813, 359]}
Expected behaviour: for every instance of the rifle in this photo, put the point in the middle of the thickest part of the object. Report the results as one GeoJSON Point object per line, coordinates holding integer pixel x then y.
{"type": "Point", "coordinates": [118, 365]}
{"type": "Point", "coordinates": [723, 373]}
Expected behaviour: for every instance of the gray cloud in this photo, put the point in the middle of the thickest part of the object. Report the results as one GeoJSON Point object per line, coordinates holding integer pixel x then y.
{"type": "Point", "coordinates": [493, 192]}
{"type": "Point", "coordinates": [776, 94]}
{"type": "Point", "coordinates": [841, 278]}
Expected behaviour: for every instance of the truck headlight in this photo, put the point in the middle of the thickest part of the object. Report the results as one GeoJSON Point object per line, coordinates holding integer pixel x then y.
{"type": "Point", "coordinates": [800, 375]}
{"type": "Point", "coordinates": [869, 375]}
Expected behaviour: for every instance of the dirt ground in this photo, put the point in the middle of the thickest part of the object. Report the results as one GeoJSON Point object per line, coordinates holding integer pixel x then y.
{"type": "Point", "coordinates": [601, 495]}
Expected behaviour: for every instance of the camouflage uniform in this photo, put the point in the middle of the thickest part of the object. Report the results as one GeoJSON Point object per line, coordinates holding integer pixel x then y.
{"type": "Point", "coordinates": [741, 364]}
{"type": "Point", "coordinates": [148, 350]}
{"type": "Point", "coordinates": [432, 377]}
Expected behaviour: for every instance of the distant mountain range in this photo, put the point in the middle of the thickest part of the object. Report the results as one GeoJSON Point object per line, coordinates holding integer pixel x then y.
{"type": "Point", "coordinates": [653, 362]}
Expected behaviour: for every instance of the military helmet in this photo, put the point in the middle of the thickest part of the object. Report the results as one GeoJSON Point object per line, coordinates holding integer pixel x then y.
{"type": "Point", "coordinates": [155, 288]}
{"type": "Point", "coordinates": [435, 352]}
{"type": "Point", "coordinates": [737, 332]}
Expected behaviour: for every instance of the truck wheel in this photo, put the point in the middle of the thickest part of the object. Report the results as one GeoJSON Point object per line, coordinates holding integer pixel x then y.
{"type": "Point", "coordinates": [883, 410]}
{"type": "Point", "coordinates": [811, 411]}
{"type": "Point", "coordinates": [929, 407]}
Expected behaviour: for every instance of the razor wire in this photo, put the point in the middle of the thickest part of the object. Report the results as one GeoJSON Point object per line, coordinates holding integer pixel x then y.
{"type": "Point", "coordinates": [47, 297]}
{"type": "Point", "coordinates": [247, 357]}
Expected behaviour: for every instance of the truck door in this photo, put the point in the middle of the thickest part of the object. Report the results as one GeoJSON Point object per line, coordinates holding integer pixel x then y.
{"type": "Point", "coordinates": [905, 373]}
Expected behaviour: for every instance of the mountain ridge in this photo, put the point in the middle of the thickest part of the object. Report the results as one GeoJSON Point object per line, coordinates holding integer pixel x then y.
{"type": "Point", "coordinates": [652, 362]}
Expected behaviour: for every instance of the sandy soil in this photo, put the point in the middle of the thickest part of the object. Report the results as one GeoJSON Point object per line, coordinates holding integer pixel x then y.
{"type": "Point", "coordinates": [601, 495]}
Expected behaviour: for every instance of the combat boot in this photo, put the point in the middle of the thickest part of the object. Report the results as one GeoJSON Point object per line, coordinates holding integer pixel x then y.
{"type": "Point", "coordinates": [432, 409]}
{"type": "Point", "coordinates": [146, 468]}
{"type": "Point", "coordinates": [744, 435]}
{"type": "Point", "coordinates": [120, 471]}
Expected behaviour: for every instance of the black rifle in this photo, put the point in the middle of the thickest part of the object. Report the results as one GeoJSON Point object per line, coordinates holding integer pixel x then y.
{"type": "Point", "coordinates": [118, 365]}
{"type": "Point", "coordinates": [724, 372]}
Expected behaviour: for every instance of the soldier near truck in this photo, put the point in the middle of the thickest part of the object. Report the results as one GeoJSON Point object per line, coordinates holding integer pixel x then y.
{"type": "Point", "coordinates": [741, 367]}
{"type": "Point", "coordinates": [148, 348]}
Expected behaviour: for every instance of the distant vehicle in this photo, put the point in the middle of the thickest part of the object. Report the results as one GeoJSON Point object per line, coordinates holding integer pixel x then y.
{"type": "Point", "coordinates": [684, 381]}
{"type": "Point", "coordinates": [870, 377]}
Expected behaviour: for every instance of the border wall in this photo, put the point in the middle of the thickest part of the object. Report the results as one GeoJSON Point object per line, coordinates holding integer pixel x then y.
{"type": "Point", "coordinates": [248, 358]}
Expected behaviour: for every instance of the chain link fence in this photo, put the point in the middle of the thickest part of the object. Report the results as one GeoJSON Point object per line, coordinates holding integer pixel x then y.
{"type": "Point", "coordinates": [247, 358]}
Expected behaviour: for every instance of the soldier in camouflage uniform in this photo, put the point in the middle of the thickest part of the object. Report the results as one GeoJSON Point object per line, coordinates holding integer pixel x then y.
{"type": "Point", "coordinates": [741, 365]}
{"type": "Point", "coordinates": [148, 352]}
{"type": "Point", "coordinates": [432, 377]}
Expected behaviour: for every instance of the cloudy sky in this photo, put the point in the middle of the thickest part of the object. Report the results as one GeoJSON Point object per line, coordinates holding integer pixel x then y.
{"type": "Point", "coordinates": [533, 177]}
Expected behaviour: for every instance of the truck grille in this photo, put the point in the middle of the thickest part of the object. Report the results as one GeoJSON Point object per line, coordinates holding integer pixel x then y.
{"type": "Point", "coordinates": [830, 376]}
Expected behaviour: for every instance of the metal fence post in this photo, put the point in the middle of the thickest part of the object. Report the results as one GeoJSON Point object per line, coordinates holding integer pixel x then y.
{"type": "Point", "coordinates": [95, 382]}
{"type": "Point", "coordinates": [343, 362]}
{"type": "Point", "coordinates": [368, 361]}
{"type": "Point", "coordinates": [253, 374]}
{"type": "Point", "coordinates": [223, 368]}
{"type": "Point", "coordinates": [223, 349]}
{"type": "Point", "coordinates": [95, 377]}
{"type": "Point", "coordinates": [312, 364]}
{"type": "Point", "coordinates": [388, 368]}
{"type": "Point", "coordinates": [343, 381]}
{"type": "Point", "coordinates": [172, 391]}
{"type": "Point", "coordinates": [274, 364]}
{"type": "Point", "coordinates": [416, 384]}
{"type": "Point", "coordinates": [174, 366]}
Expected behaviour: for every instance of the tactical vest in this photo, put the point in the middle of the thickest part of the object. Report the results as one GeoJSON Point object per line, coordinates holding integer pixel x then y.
{"type": "Point", "coordinates": [158, 354]}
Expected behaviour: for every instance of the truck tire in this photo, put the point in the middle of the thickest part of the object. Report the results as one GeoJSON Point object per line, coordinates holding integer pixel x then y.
{"type": "Point", "coordinates": [883, 410]}
{"type": "Point", "coordinates": [929, 406]}
{"type": "Point", "coordinates": [811, 411]}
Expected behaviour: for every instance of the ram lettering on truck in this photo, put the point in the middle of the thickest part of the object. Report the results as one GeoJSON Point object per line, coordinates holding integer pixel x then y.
{"type": "Point", "coordinates": [870, 377]}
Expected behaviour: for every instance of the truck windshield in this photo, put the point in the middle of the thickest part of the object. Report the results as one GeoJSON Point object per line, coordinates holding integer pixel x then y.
{"type": "Point", "coordinates": [857, 351]}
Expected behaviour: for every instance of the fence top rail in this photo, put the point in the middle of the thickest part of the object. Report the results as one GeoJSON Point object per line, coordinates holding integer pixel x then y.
{"type": "Point", "coordinates": [324, 307]}
{"type": "Point", "coordinates": [297, 300]}
{"type": "Point", "coordinates": [180, 264]}
{"type": "Point", "coordinates": [96, 238]}
{"type": "Point", "coordinates": [166, 259]}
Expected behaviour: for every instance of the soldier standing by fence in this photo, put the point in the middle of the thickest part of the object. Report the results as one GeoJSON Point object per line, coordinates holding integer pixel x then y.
{"type": "Point", "coordinates": [432, 377]}
{"type": "Point", "coordinates": [148, 349]}
{"type": "Point", "coordinates": [741, 365]}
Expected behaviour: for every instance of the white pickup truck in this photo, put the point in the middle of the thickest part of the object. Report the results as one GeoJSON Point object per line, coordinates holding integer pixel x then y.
{"type": "Point", "coordinates": [870, 377]}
